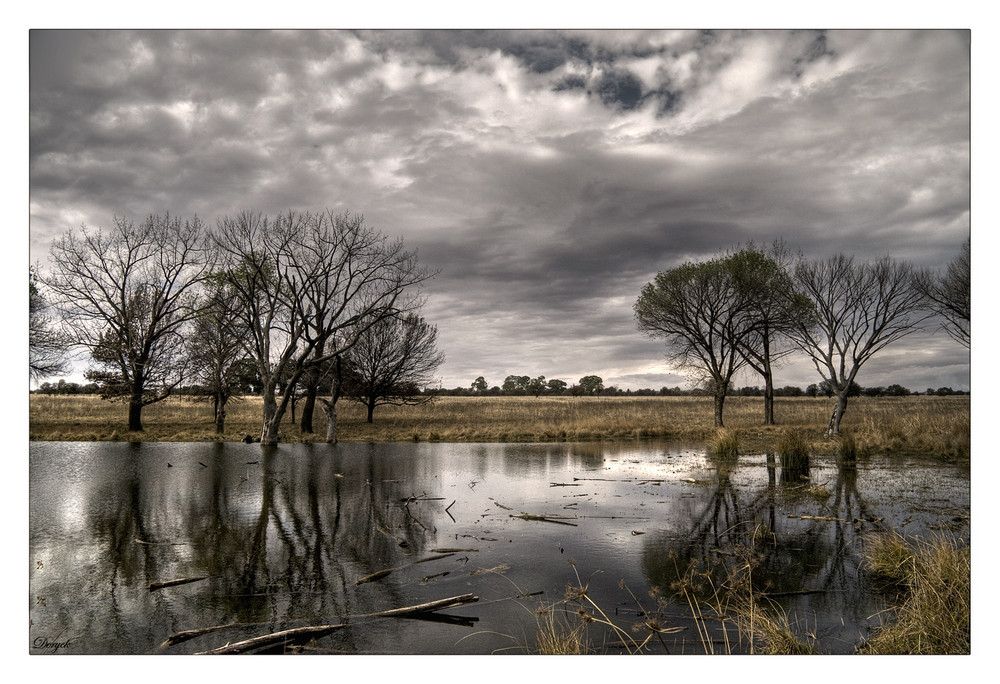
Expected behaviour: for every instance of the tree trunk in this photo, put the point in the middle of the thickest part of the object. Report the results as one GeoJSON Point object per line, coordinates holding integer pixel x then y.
{"type": "Point", "coordinates": [135, 407]}
{"type": "Point", "coordinates": [330, 408]}
{"type": "Point", "coordinates": [135, 414]}
{"type": "Point", "coordinates": [768, 400]}
{"type": "Point", "coordinates": [720, 399]}
{"type": "Point", "coordinates": [220, 416]}
{"type": "Point", "coordinates": [306, 426]}
{"type": "Point", "coordinates": [269, 430]}
{"type": "Point", "coordinates": [371, 411]}
{"type": "Point", "coordinates": [839, 408]}
{"type": "Point", "coordinates": [768, 381]}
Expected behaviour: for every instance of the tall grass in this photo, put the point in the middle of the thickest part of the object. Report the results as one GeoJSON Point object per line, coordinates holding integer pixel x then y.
{"type": "Point", "coordinates": [934, 580]}
{"type": "Point", "coordinates": [761, 626]}
{"type": "Point", "coordinates": [938, 425]}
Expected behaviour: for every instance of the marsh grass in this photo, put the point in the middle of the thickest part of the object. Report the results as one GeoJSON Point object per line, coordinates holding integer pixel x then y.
{"type": "Point", "coordinates": [793, 450]}
{"type": "Point", "coordinates": [724, 443]}
{"type": "Point", "coordinates": [933, 582]}
{"type": "Point", "coordinates": [760, 625]}
{"type": "Point", "coordinates": [563, 628]}
{"type": "Point", "coordinates": [937, 425]}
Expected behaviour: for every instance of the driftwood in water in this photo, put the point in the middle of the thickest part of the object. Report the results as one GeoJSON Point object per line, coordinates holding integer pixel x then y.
{"type": "Point", "coordinates": [429, 607]}
{"type": "Point", "coordinates": [153, 586]}
{"type": "Point", "coordinates": [554, 519]}
{"type": "Point", "coordinates": [382, 573]}
{"type": "Point", "coordinates": [178, 637]}
{"type": "Point", "coordinates": [295, 635]}
{"type": "Point", "coordinates": [374, 576]}
{"type": "Point", "coordinates": [301, 634]}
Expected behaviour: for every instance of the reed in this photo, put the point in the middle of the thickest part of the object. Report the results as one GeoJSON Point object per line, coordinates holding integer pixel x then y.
{"type": "Point", "coordinates": [934, 425]}
{"type": "Point", "coordinates": [761, 626]}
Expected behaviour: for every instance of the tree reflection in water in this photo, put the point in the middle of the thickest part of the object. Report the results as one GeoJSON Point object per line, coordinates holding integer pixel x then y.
{"type": "Point", "coordinates": [741, 533]}
{"type": "Point", "coordinates": [283, 534]}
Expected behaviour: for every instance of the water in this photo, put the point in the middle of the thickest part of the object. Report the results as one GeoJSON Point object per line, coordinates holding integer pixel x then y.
{"type": "Point", "coordinates": [282, 535]}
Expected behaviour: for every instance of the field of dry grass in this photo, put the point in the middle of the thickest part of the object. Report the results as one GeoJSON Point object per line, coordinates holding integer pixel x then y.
{"type": "Point", "coordinates": [938, 425]}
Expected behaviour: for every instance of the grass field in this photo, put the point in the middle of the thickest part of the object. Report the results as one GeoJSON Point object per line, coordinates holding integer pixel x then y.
{"type": "Point", "coordinates": [919, 424]}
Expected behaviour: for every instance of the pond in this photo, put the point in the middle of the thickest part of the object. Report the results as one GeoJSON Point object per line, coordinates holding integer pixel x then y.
{"type": "Point", "coordinates": [278, 538]}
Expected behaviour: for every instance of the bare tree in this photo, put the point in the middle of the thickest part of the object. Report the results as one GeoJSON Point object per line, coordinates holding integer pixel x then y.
{"type": "Point", "coordinates": [308, 285]}
{"type": "Point", "coordinates": [48, 346]}
{"type": "Point", "coordinates": [860, 308]}
{"type": "Point", "coordinates": [700, 311]}
{"type": "Point", "coordinates": [215, 353]}
{"type": "Point", "coordinates": [125, 295]}
{"type": "Point", "coordinates": [391, 361]}
{"type": "Point", "coordinates": [773, 310]}
{"type": "Point", "coordinates": [950, 295]}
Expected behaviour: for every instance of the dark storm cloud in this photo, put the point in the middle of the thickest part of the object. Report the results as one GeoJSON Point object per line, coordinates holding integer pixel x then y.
{"type": "Point", "coordinates": [619, 89]}
{"type": "Point", "coordinates": [548, 175]}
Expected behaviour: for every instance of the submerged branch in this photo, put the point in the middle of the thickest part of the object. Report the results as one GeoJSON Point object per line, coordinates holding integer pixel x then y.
{"type": "Point", "coordinates": [287, 636]}
{"type": "Point", "coordinates": [153, 586]}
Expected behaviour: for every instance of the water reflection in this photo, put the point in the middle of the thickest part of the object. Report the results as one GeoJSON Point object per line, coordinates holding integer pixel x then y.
{"type": "Point", "coordinates": [283, 534]}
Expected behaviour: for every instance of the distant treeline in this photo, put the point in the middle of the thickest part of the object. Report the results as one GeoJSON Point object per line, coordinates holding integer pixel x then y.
{"type": "Point", "coordinates": [787, 391]}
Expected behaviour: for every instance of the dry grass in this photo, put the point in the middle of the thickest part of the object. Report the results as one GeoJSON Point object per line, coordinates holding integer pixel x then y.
{"type": "Point", "coordinates": [725, 442]}
{"type": "Point", "coordinates": [938, 425]}
{"type": "Point", "coordinates": [935, 581]}
{"type": "Point", "coordinates": [761, 627]}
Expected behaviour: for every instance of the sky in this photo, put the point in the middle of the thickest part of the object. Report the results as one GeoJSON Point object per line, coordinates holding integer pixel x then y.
{"type": "Point", "coordinates": [547, 175]}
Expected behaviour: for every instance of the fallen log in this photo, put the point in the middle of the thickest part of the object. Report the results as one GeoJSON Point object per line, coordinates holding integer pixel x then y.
{"type": "Point", "coordinates": [819, 517]}
{"type": "Point", "coordinates": [178, 637]}
{"type": "Point", "coordinates": [429, 607]}
{"type": "Point", "coordinates": [153, 586]}
{"type": "Point", "coordinates": [294, 635]}
{"type": "Point", "coordinates": [554, 519]}
{"type": "Point", "coordinates": [444, 554]}
{"type": "Point", "coordinates": [374, 576]}
{"type": "Point", "coordinates": [382, 573]}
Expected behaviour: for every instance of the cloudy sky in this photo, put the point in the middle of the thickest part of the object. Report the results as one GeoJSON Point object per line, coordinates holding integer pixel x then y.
{"type": "Point", "coordinates": [547, 174]}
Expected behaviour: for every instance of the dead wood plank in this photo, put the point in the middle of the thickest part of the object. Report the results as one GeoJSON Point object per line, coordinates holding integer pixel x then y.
{"type": "Point", "coordinates": [288, 635]}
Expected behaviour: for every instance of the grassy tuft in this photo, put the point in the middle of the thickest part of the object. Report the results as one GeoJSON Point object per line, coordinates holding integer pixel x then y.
{"type": "Point", "coordinates": [850, 448]}
{"type": "Point", "coordinates": [935, 578]}
{"type": "Point", "coordinates": [724, 442]}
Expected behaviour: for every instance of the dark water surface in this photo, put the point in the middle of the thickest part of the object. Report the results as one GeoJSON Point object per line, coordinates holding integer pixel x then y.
{"type": "Point", "coordinates": [283, 534]}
